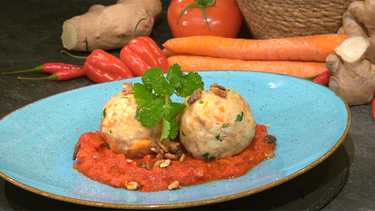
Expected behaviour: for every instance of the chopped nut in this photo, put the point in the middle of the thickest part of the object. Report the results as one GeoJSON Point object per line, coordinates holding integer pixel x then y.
{"type": "Point", "coordinates": [219, 90]}
{"type": "Point", "coordinates": [145, 166]}
{"type": "Point", "coordinates": [157, 150]}
{"type": "Point", "coordinates": [165, 164]}
{"type": "Point", "coordinates": [195, 96]}
{"type": "Point", "coordinates": [162, 146]}
{"type": "Point", "coordinates": [217, 86]}
{"type": "Point", "coordinates": [174, 185]}
{"type": "Point", "coordinates": [170, 156]}
{"type": "Point", "coordinates": [270, 139]}
{"type": "Point", "coordinates": [178, 153]}
{"type": "Point", "coordinates": [129, 160]}
{"type": "Point", "coordinates": [76, 149]}
{"type": "Point", "coordinates": [220, 93]}
{"type": "Point", "coordinates": [132, 186]}
{"type": "Point", "coordinates": [182, 158]}
{"type": "Point", "coordinates": [174, 146]}
{"type": "Point", "coordinates": [127, 88]}
{"type": "Point", "coordinates": [159, 156]}
{"type": "Point", "coordinates": [158, 162]}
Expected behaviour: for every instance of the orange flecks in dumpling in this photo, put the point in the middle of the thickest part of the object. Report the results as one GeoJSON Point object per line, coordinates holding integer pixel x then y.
{"type": "Point", "coordinates": [222, 109]}
{"type": "Point", "coordinates": [140, 144]}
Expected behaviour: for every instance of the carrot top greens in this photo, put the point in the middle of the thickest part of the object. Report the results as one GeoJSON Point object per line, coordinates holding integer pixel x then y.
{"type": "Point", "coordinates": [153, 97]}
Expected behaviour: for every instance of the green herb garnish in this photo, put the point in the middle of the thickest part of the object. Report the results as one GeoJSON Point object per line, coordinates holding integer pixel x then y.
{"type": "Point", "coordinates": [225, 126]}
{"type": "Point", "coordinates": [239, 117]}
{"type": "Point", "coordinates": [207, 156]}
{"type": "Point", "coordinates": [104, 112]}
{"type": "Point", "coordinates": [153, 97]}
{"type": "Point", "coordinates": [137, 113]}
{"type": "Point", "coordinates": [218, 137]}
{"type": "Point", "coordinates": [201, 102]}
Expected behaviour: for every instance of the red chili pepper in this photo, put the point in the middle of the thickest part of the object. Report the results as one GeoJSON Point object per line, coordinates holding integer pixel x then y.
{"type": "Point", "coordinates": [323, 78]}
{"type": "Point", "coordinates": [62, 75]}
{"type": "Point", "coordinates": [143, 53]}
{"type": "Point", "coordinates": [373, 108]}
{"type": "Point", "coordinates": [101, 66]}
{"type": "Point", "coordinates": [50, 67]}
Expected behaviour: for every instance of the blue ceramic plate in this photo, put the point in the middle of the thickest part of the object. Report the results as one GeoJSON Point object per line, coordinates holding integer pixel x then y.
{"type": "Point", "coordinates": [37, 141]}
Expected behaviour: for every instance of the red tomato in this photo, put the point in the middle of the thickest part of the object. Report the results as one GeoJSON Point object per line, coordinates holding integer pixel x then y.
{"type": "Point", "coordinates": [224, 19]}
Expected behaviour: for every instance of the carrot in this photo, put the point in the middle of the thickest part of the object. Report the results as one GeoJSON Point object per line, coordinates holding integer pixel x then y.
{"type": "Point", "coordinates": [306, 48]}
{"type": "Point", "coordinates": [201, 63]}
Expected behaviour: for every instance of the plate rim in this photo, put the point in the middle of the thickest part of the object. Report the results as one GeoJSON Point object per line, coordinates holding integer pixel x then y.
{"type": "Point", "coordinates": [181, 204]}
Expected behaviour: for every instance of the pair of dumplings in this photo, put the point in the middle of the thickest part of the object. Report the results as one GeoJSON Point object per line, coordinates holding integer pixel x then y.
{"type": "Point", "coordinates": [217, 123]}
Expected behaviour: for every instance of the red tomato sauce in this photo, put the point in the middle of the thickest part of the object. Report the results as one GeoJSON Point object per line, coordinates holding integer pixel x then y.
{"type": "Point", "coordinates": [98, 162]}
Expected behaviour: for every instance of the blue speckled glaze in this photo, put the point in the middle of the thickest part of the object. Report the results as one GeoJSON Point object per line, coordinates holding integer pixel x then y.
{"type": "Point", "coordinates": [37, 141]}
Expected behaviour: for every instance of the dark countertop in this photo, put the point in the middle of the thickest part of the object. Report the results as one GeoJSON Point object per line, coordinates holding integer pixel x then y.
{"type": "Point", "coordinates": [30, 36]}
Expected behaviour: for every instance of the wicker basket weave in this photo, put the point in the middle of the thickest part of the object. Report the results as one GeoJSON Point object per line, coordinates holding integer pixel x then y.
{"type": "Point", "coordinates": [290, 18]}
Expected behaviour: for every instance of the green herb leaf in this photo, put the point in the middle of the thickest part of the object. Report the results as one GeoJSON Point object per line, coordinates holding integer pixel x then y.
{"type": "Point", "coordinates": [104, 112]}
{"type": "Point", "coordinates": [153, 97]}
{"type": "Point", "coordinates": [239, 117]}
{"type": "Point", "coordinates": [184, 84]}
{"type": "Point", "coordinates": [225, 126]}
{"type": "Point", "coordinates": [207, 156]}
{"type": "Point", "coordinates": [170, 129]}
{"type": "Point", "coordinates": [155, 82]}
{"type": "Point", "coordinates": [143, 96]}
{"type": "Point", "coordinates": [218, 137]}
{"type": "Point", "coordinates": [152, 114]}
{"type": "Point", "coordinates": [137, 113]}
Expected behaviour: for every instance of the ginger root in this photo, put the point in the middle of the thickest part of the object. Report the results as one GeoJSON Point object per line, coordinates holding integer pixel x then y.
{"type": "Point", "coordinates": [153, 6]}
{"type": "Point", "coordinates": [110, 27]}
{"type": "Point", "coordinates": [353, 76]}
{"type": "Point", "coordinates": [353, 65]}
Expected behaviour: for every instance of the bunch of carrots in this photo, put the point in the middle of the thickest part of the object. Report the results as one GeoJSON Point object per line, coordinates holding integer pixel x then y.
{"type": "Point", "coordinates": [296, 56]}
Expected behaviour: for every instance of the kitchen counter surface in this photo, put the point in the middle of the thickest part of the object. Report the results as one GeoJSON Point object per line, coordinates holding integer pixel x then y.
{"type": "Point", "coordinates": [30, 36]}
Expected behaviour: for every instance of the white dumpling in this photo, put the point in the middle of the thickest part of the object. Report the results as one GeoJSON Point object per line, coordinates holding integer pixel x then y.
{"type": "Point", "coordinates": [218, 124]}
{"type": "Point", "coordinates": [122, 131]}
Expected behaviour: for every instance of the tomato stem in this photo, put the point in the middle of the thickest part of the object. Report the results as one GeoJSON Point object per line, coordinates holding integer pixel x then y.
{"type": "Point", "coordinates": [202, 4]}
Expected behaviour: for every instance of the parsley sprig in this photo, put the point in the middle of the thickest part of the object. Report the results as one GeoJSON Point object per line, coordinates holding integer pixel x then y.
{"type": "Point", "coordinates": [153, 97]}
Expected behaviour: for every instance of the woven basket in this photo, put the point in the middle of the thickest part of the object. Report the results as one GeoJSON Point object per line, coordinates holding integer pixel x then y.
{"type": "Point", "coordinates": [289, 18]}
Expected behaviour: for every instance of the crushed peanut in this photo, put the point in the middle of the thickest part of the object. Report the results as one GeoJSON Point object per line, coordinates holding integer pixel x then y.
{"type": "Point", "coordinates": [174, 185]}
{"type": "Point", "coordinates": [145, 166]}
{"type": "Point", "coordinates": [159, 156]}
{"type": "Point", "coordinates": [219, 90]}
{"type": "Point", "coordinates": [195, 96]}
{"type": "Point", "coordinates": [170, 156]}
{"type": "Point", "coordinates": [182, 158]}
{"type": "Point", "coordinates": [162, 146]}
{"type": "Point", "coordinates": [158, 162]}
{"type": "Point", "coordinates": [76, 149]}
{"type": "Point", "coordinates": [165, 164]}
{"type": "Point", "coordinates": [132, 186]}
{"type": "Point", "coordinates": [127, 88]}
